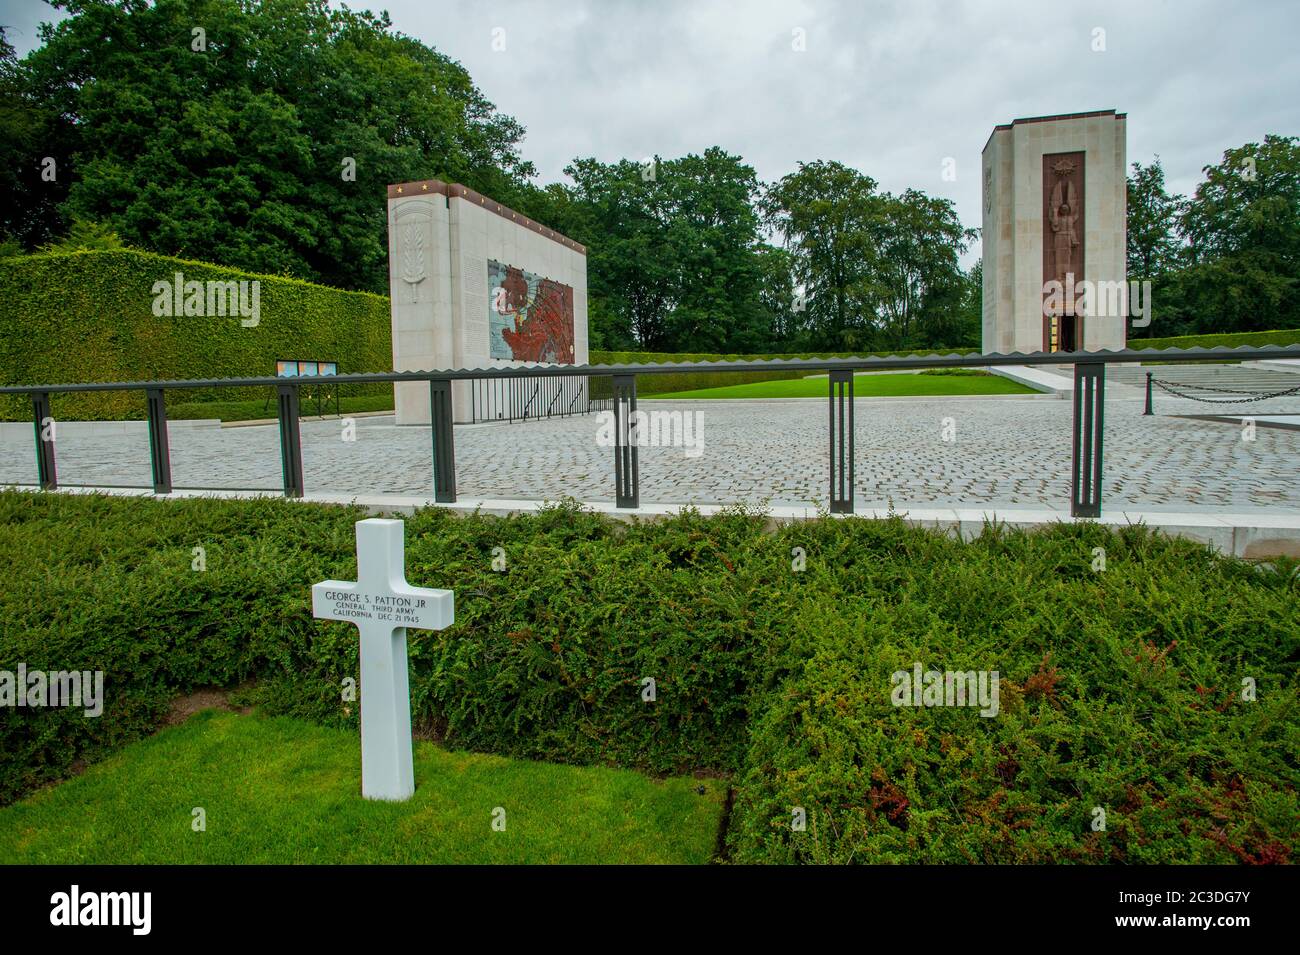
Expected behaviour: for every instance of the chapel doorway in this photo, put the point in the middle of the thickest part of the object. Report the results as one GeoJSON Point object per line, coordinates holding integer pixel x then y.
{"type": "Point", "coordinates": [1062, 333]}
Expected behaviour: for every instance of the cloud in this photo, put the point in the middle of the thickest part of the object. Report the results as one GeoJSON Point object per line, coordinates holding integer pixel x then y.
{"type": "Point", "coordinates": [891, 88]}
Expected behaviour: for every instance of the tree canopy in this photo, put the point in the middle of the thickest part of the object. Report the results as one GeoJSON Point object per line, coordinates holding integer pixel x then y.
{"type": "Point", "coordinates": [1226, 259]}
{"type": "Point", "coordinates": [262, 134]}
{"type": "Point", "coordinates": [876, 270]}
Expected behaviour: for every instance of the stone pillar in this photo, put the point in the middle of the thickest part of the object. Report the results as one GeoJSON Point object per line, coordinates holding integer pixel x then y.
{"type": "Point", "coordinates": [1055, 201]}
{"type": "Point", "coordinates": [419, 288]}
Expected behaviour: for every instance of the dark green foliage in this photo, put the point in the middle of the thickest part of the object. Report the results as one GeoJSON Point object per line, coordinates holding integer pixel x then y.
{"type": "Point", "coordinates": [1152, 224]}
{"type": "Point", "coordinates": [674, 250]}
{"type": "Point", "coordinates": [1120, 689]}
{"type": "Point", "coordinates": [1227, 258]}
{"type": "Point", "coordinates": [85, 237]}
{"type": "Point", "coordinates": [88, 316]}
{"type": "Point", "coordinates": [878, 270]}
{"type": "Point", "coordinates": [1242, 227]}
{"type": "Point", "coordinates": [265, 143]}
{"type": "Point", "coordinates": [31, 132]}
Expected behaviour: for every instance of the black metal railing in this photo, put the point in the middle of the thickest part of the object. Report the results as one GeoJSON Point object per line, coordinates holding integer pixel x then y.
{"type": "Point", "coordinates": [531, 398]}
{"type": "Point", "coordinates": [1089, 413]}
{"type": "Point", "coordinates": [1088, 418]}
{"type": "Point", "coordinates": [841, 444]}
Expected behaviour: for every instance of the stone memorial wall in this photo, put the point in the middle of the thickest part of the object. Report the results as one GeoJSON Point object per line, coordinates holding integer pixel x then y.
{"type": "Point", "coordinates": [474, 284]}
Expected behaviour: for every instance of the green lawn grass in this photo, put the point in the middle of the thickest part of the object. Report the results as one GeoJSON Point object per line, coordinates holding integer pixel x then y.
{"type": "Point", "coordinates": [867, 386]}
{"type": "Point", "coordinates": [279, 790]}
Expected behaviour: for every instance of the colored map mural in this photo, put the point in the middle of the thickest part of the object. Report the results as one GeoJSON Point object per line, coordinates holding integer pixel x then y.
{"type": "Point", "coordinates": [529, 318]}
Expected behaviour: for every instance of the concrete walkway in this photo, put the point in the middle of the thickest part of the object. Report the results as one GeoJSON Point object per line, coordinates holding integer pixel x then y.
{"type": "Point", "coordinates": [1260, 533]}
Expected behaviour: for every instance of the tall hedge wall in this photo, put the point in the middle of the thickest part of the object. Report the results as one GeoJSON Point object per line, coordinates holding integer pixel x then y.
{"type": "Point", "coordinates": [88, 316]}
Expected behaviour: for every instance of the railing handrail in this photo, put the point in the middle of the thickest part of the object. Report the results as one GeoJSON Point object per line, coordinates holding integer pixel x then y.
{"type": "Point", "coordinates": [531, 398]}
{"type": "Point", "coordinates": [1086, 450]}
{"type": "Point", "coordinates": [872, 363]}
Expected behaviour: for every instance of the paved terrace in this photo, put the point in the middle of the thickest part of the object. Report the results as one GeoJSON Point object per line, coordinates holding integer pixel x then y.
{"type": "Point", "coordinates": [1008, 450]}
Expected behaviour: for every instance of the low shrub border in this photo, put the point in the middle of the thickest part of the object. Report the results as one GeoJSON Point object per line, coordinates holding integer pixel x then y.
{"type": "Point", "coordinates": [771, 651]}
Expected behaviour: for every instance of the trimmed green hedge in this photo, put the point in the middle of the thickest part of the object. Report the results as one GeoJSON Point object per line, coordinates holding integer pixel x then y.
{"type": "Point", "coordinates": [1120, 689]}
{"type": "Point", "coordinates": [653, 357]}
{"type": "Point", "coordinates": [1289, 336]}
{"type": "Point", "coordinates": [88, 316]}
{"type": "Point", "coordinates": [258, 408]}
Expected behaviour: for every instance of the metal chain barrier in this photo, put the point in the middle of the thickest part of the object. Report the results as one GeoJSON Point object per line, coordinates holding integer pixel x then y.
{"type": "Point", "coordinates": [1225, 391]}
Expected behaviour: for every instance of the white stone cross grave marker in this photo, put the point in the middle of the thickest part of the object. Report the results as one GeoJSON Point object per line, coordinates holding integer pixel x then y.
{"type": "Point", "coordinates": [382, 605]}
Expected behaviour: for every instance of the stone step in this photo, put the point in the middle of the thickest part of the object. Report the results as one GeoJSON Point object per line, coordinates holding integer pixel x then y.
{"type": "Point", "coordinates": [1216, 376]}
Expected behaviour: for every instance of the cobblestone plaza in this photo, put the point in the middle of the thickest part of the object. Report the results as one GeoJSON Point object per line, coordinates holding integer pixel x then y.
{"type": "Point", "coordinates": [1005, 450]}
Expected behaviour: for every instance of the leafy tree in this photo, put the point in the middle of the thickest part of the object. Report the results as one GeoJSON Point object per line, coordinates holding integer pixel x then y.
{"type": "Point", "coordinates": [879, 270]}
{"type": "Point", "coordinates": [713, 235]}
{"type": "Point", "coordinates": [29, 141]}
{"type": "Point", "coordinates": [1242, 227]}
{"type": "Point", "coordinates": [85, 236]}
{"type": "Point", "coordinates": [955, 313]}
{"type": "Point", "coordinates": [782, 303]}
{"type": "Point", "coordinates": [1154, 248]}
{"type": "Point", "coordinates": [672, 250]}
{"type": "Point", "coordinates": [620, 225]}
{"type": "Point", "coordinates": [920, 280]}
{"type": "Point", "coordinates": [832, 220]}
{"type": "Point", "coordinates": [236, 143]}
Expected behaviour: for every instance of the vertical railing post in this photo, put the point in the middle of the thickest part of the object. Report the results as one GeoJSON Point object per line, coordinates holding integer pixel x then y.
{"type": "Point", "coordinates": [1148, 410]}
{"type": "Point", "coordinates": [290, 441]}
{"type": "Point", "coordinates": [1089, 424]}
{"type": "Point", "coordinates": [627, 480]}
{"type": "Point", "coordinates": [841, 443]}
{"type": "Point", "coordinates": [444, 441]}
{"type": "Point", "coordinates": [159, 453]}
{"type": "Point", "coordinates": [46, 474]}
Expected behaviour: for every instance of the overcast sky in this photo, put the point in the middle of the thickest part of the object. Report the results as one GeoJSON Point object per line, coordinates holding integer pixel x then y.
{"type": "Point", "coordinates": [891, 88]}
